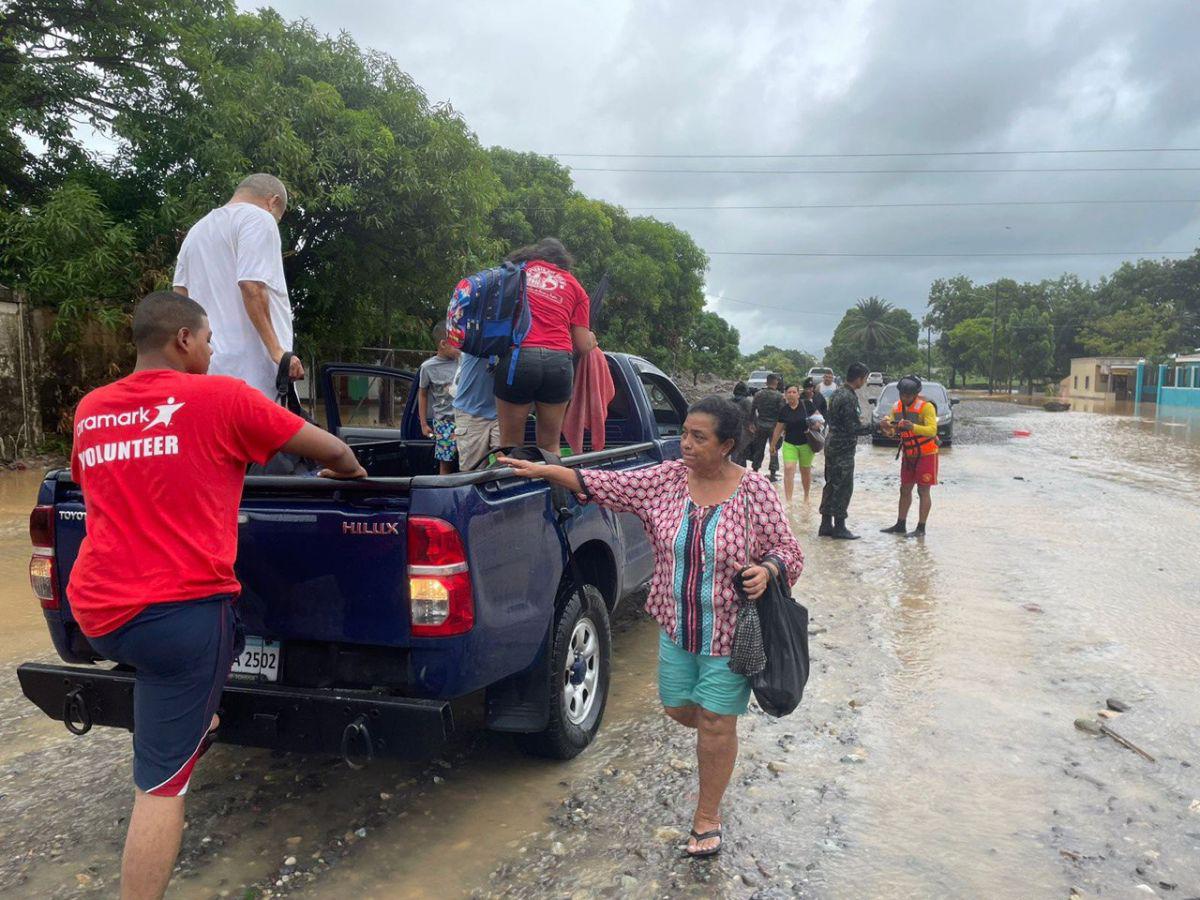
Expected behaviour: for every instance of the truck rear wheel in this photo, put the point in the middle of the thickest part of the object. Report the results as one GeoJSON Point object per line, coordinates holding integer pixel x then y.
{"type": "Point", "coordinates": [580, 662]}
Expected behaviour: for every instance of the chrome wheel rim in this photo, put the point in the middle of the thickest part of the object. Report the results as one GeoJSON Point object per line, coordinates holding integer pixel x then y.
{"type": "Point", "coordinates": [581, 672]}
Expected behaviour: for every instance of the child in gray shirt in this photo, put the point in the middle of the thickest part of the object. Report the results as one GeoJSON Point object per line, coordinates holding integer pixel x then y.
{"type": "Point", "coordinates": [434, 403]}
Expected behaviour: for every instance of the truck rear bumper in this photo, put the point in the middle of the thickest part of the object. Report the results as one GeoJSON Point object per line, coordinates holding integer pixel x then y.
{"type": "Point", "coordinates": [351, 723]}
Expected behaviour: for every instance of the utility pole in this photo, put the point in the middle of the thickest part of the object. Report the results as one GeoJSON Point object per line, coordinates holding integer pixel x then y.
{"type": "Point", "coordinates": [929, 352]}
{"type": "Point", "coordinates": [995, 305]}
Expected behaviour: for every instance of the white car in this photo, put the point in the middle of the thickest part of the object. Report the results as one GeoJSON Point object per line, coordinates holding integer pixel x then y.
{"type": "Point", "coordinates": [875, 378]}
{"type": "Point", "coordinates": [758, 379]}
{"type": "Point", "coordinates": [816, 373]}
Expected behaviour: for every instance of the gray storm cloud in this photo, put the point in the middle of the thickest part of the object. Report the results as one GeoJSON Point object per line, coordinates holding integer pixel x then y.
{"type": "Point", "coordinates": [834, 78]}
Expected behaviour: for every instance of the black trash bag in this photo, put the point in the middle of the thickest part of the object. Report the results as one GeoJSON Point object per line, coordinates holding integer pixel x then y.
{"type": "Point", "coordinates": [780, 685]}
{"type": "Point", "coordinates": [287, 463]}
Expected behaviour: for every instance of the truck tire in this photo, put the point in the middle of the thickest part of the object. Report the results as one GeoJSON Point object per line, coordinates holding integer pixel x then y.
{"type": "Point", "coordinates": [580, 662]}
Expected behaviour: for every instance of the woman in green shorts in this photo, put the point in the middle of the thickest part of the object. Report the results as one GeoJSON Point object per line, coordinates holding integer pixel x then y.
{"type": "Point", "coordinates": [709, 521]}
{"type": "Point", "coordinates": [792, 430]}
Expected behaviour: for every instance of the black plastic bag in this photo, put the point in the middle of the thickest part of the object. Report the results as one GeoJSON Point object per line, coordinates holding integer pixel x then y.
{"type": "Point", "coordinates": [779, 687]}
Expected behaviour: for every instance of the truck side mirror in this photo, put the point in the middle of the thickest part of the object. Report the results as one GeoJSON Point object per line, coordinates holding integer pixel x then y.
{"type": "Point", "coordinates": [873, 400]}
{"type": "Point", "coordinates": [954, 401]}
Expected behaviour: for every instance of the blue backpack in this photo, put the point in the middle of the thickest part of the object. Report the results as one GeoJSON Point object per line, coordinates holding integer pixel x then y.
{"type": "Point", "coordinates": [489, 314]}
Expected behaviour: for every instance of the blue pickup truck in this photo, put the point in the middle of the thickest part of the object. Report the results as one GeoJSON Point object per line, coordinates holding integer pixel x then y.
{"type": "Point", "coordinates": [370, 605]}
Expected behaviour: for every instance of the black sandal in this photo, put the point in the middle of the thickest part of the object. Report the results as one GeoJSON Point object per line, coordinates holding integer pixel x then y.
{"type": "Point", "coordinates": [706, 836]}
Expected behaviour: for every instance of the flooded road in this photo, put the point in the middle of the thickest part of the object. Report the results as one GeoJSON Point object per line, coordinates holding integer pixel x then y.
{"type": "Point", "coordinates": [934, 754]}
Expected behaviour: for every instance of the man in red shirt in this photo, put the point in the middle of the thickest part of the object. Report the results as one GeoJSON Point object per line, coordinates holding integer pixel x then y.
{"type": "Point", "coordinates": [160, 456]}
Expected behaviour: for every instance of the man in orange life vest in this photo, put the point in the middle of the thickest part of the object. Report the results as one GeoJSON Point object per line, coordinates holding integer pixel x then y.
{"type": "Point", "coordinates": [914, 420]}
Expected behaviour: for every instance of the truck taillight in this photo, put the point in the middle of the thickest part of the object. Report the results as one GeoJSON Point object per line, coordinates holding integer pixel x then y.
{"type": "Point", "coordinates": [439, 585]}
{"type": "Point", "coordinates": [43, 572]}
{"type": "Point", "coordinates": [43, 577]}
{"type": "Point", "coordinates": [41, 527]}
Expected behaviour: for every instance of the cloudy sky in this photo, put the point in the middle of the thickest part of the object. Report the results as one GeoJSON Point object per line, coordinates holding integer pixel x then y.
{"type": "Point", "coordinates": [852, 79]}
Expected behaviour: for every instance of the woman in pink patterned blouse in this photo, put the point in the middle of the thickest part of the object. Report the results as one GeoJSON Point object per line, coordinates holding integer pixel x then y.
{"type": "Point", "coordinates": [708, 519]}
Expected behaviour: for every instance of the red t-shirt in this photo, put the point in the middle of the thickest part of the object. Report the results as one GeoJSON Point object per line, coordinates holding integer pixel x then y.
{"type": "Point", "coordinates": [556, 302]}
{"type": "Point", "coordinates": [161, 456]}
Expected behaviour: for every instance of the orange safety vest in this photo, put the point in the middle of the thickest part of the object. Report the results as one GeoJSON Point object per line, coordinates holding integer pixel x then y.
{"type": "Point", "coordinates": [914, 445]}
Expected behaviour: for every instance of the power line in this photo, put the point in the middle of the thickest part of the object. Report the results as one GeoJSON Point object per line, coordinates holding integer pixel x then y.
{"type": "Point", "coordinates": [1091, 170]}
{"type": "Point", "coordinates": [963, 254]}
{"type": "Point", "coordinates": [915, 205]}
{"type": "Point", "coordinates": [910, 154]}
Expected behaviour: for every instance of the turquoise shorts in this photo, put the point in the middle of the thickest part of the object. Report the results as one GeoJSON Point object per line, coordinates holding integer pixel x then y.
{"type": "Point", "coordinates": [691, 679]}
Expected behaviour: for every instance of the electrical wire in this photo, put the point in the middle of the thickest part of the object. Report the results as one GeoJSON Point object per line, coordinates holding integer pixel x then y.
{"type": "Point", "coordinates": [907, 154]}
{"type": "Point", "coordinates": [1069, 171]}
{"type": "Point", "coordinates": [964, 254]}
{"type": "Point", "coordinates": [914, 205]}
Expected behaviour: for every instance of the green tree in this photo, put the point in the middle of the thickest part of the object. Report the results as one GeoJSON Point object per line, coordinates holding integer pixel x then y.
{"type": "Point", "coordinates": [790, 364]}
{"type": "Point", "coordinates": [1033, 346]}
{"type": "Point", "coordinates": [65, 64]}
{"type": "Point", "coordinates": [70, 255]}
{"type": "Point", "coordinates": [877, 334]}
{"type": "Point", "coordinates": [952, 301]}
{"type": "Point", "coordinates": [712, 346]}
{"type": "Point", "coordinates": [1140, 330]}
{"type": "Point", "coordinates": [969, 343]}
{"type": "Point", "coordinates": [778, 361]}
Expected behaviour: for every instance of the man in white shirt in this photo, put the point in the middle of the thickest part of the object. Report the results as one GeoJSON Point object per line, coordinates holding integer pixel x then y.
{"type": "Point", "coordinates": [827, 387]}
{"type": "Point", "coordinates": [231, 261]}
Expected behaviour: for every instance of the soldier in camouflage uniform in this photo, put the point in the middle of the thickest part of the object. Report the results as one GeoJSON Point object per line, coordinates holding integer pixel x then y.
{"type": "Point", "coordinates": [845, 428]}
{"type": "Point", "coordinates": [766, 406]}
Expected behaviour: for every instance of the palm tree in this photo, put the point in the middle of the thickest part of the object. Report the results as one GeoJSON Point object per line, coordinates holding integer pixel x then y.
{"type": "Point", "coordinates": [868, 327]}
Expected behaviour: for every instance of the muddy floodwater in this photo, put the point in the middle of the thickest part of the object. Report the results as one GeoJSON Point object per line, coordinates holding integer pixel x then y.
{"type": "Point", "coordinates": [935, 753]}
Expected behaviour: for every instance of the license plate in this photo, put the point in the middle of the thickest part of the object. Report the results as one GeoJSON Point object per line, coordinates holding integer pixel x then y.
{"type": "Point", "coordinates": [259, 661]}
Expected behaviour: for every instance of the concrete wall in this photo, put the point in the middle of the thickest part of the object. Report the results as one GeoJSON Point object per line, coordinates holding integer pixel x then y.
{"type": "Point", "coordinates": [21, 354]}
{"type": "Point", "coordinates": [1087, 381]}
{"type": "Point", "coordinates": [1178, 396]}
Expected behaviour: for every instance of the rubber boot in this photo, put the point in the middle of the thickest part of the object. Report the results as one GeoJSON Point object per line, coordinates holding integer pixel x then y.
{"type": "Point", "coordinates": [841, 532]}
{"type": "Point", "coordinates": [901, 527]}
{"type": "Point", "coordinates": [918, 532]}
{"type": "Point", "coordinates": [826, 529]}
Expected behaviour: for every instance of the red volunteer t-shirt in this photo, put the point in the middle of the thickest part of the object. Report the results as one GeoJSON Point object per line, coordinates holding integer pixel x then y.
{"type": "Point", "coordinates": [556, 302]}
{"type": "Point", "coordinates": [161, 456]}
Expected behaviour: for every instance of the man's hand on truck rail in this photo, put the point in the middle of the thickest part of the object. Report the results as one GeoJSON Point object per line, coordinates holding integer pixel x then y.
{"type": "Point", "coordinates": [332, 452]}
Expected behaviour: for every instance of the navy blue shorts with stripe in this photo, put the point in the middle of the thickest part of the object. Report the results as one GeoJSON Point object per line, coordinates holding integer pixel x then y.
{"type": "Point", "coordinates": [182, 653]}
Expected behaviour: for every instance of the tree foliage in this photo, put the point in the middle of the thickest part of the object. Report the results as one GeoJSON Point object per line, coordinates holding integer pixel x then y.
{"type": "Point", "coordinates": [712, 346]}
{"type": "Point", "coordinates": [392, 199]}
{"type": "Point", "coordinates": [875, 333]}
{"type": "Point", "coordinates": [790, 365]}
{"type": "Point", "coordinates": [1030, 331]}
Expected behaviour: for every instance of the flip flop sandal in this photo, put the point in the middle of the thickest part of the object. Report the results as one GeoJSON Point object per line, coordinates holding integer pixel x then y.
{"type": "Point", "coordinates": [706, 836]}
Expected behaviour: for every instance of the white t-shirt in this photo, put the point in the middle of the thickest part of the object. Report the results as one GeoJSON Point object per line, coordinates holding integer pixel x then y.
{"type": "Point", "coordinates": [238, 242]}
{"type": "Point", "coordinates": [826, 389]}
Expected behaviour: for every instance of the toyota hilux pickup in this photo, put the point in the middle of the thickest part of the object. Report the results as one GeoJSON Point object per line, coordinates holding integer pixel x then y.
{"type": "Point", "coordinates": [369, 606]}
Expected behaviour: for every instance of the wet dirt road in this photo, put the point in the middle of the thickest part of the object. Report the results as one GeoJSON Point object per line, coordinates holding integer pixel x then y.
{"type": "Point", "coordinates": [934, 755]}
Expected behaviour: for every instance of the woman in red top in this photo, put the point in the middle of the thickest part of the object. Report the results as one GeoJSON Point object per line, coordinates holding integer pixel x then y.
{"type": "Point", "coordinates": [545, 371]}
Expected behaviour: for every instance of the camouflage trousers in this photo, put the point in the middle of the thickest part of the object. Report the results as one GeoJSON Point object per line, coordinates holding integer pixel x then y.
{"type": "Point", "coordinates": [839, 483]}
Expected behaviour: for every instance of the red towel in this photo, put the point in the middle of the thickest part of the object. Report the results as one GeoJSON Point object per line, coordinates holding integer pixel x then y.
{"type": "Point", "coordinates": [589, 403]}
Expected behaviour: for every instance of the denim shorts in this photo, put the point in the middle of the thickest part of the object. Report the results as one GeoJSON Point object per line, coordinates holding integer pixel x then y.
{"type": "Point", "coordinates": [693, 679]}
{"type": "Point", "coordinates": [540, 376]}
{"type": "Point", "coordinates": [181, 654]}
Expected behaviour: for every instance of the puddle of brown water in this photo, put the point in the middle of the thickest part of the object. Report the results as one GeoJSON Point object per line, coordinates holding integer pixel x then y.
{"type": "Point", "coordinates": [24, 629]}
{"type": "Point", "coordinates": [965, 793]}
{"type": "Point", "coordinates": [975, 778]}
{"type": "Point", "coordinates": [485, 813]}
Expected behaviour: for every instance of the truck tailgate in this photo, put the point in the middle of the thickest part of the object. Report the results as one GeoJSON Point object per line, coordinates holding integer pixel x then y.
{"type": "Point", "coordinates": [319, 566]}
{"type": "Point", "coordinates": [325, 569]}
